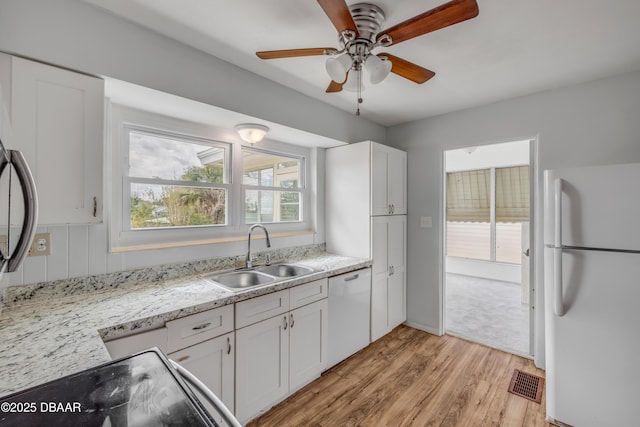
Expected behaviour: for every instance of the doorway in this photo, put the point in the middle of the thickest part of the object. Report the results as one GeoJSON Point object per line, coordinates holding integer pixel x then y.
{"type": "Point", "coordinates": [487, 296]}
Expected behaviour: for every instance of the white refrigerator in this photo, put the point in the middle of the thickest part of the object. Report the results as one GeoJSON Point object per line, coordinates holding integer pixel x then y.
{"type": "Point", "coordinates": [592, 295]}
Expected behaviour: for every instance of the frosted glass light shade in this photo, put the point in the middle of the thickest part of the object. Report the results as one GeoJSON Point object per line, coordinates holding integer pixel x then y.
{"type": "Point", "coordinates": [351, 85]}
{"type": "Point", "coordinates": [252, 132]}
{"type": "Point", "coordinates": [377, 68]}
{"type": "Point", "coordinates": [337, 67]}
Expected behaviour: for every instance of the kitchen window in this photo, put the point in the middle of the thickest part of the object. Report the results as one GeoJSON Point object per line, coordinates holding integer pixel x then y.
{"type": "Point", "coordinates": [175, 181]}
{"type": "Point", "coordinates": [272, 185]}
{"type": "Point", "coordinates": [178, 183]}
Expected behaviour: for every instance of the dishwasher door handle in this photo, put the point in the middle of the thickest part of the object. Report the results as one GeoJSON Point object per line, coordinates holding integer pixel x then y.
{"type": "Point", "coordinates": [354, 277]}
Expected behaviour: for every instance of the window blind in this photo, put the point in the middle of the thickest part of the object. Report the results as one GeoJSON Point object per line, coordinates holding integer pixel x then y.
{"type": "Point", "coordinates": [469, 195]}
{"type": "Point", "coordinates": [512, 194]}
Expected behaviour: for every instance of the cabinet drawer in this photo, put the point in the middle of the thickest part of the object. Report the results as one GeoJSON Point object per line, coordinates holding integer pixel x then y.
{"type": "Point", "coordinates": [308, 293]}
{"type": "Point", "coordinates": [261, 308]}
{"type": "Point", "coordinates": [125, 346]}
{"type": "Point", "coordinates": [190, 330]}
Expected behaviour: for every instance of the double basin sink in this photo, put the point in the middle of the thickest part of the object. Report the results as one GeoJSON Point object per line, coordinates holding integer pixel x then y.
{"type": "Point", "coordinates": [267, 274]}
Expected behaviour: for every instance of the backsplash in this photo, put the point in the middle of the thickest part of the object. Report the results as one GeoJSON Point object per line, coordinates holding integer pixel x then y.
{"type": "Point", "coordinates": [14, 295]}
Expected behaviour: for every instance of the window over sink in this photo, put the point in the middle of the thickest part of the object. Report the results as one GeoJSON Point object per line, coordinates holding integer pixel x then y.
{"type": "Point", "coordinates": [177, 183]}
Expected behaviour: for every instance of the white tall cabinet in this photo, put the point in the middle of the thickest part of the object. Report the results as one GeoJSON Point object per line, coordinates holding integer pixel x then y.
{"type": "Point", "coordinates": [366, 205]}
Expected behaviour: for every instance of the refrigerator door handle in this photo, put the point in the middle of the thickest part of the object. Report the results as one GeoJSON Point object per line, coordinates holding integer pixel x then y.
{"type": "Point", "coordinates": [557, 250]}
{"type": "Point", "coordinates": [30, 199]}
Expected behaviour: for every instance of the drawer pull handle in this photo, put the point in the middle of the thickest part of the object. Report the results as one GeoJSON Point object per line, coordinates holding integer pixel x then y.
{"type": "Point", "coordinates": [182, 359]}
{"type": "Point", "coordinates": [354, 277]}
{"type": "Point", "coordinates": [228, 345]}
{"type": "Point", "coordinates": [203, 326]}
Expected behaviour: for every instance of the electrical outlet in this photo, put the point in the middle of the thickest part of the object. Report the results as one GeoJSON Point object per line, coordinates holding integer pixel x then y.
{"type": "Point", "coordinates": [41, 245]}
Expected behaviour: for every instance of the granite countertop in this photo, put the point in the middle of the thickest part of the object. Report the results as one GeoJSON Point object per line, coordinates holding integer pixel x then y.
{"type": "Point", "coordinates": [50, 338]}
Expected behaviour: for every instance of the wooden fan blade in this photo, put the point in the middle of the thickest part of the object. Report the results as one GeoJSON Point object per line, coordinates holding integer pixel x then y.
{"type": "Point", "coordinates": [408, 70]}
{"type": "Point", "coordinates": [334, 87]}
{"type": "Point", "coordinates": [339, 14]}
{"type": "Point", "coordinates": [442, 16]}
{"type": "Point", "coordinates": [291, 53]}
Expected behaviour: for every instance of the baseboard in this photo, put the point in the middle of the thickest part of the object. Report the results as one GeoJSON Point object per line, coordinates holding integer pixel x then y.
{"type": "Point", "coordinates": [424, 328]}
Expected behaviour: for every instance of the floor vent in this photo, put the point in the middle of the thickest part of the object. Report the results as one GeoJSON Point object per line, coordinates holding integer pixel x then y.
{"type": "Point", "coordinates": [526, 385]}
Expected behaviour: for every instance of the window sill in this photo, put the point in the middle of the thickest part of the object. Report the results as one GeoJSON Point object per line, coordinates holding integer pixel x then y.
{"type": "Point", "coordinates": [229, 239]}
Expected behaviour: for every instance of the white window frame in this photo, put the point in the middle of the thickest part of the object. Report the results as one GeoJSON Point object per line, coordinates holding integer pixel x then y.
{"type": "Point", "coordinates": [300, 189]}
{"type": "Point", "coordinates": [122, 119]}
{"type": "Point", "coordinates": [492, 215]}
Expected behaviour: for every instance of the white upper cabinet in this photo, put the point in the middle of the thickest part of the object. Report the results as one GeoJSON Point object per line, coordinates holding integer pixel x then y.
{"type": "Point", "coordinates": [362, 180]}
{"type": "Point", "coordinates": [388, 180]}
{"type": "Point", "coordinates": [57, 122]}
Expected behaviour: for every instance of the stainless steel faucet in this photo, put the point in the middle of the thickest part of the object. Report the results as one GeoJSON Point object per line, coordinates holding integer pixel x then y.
{"type": "Point", "coordinates": [249, 262]}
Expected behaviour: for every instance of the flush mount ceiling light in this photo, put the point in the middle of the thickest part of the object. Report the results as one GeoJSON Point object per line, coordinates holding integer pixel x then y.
{"type": "Point", "coordinates": [251, 132]}
{"type": "Point", "coordinates": [360, 33]}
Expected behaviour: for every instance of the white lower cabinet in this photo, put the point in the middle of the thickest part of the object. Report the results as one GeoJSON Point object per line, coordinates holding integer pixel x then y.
{"type": "Point", "coordinates": [278, 355]}
{"type": "Point", "coordinates": [308, 327]}
{"type": "Point", "coordinates": [262, 368]}
{"type": "Point", "coordinates": [212, 361]}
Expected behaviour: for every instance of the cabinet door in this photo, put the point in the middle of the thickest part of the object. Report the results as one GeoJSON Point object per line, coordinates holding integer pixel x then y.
{"type": "Point", "coordinates": [379, 276]}
{"type": "Point", "coordinates": [379, 190]}
{"type": "Point", "coordinates": [388, 283]}
{"type": "Point", "coordinates": [397, 181]}
{"type": "Point", "coordinates": [396, 250]}
{"type": "Point", "coordinates": [307, 343]}
{"type": "Point", "coordinates": [262, 365]}
{"type": "Point", "coordinates": [212, 362]}
{"type": "Point", "coordinates": [57, 118]}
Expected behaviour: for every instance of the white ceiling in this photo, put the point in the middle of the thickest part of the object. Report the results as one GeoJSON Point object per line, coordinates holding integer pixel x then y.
{"type": "Point", "coordinates": [513, 47]}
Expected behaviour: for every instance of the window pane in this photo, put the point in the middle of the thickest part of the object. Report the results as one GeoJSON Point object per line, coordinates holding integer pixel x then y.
{"type": "Point", "coordinates": [272, 206]}
{"type": "Point", "coordinates": [512, 194]}
{"type": "Point", "coordinates": [176, 206]}
{"type": "Point", "coordinates": [469, 240]}
{"type": "Point", "coordinates": [152, 156]}
{"type": "Point", "coordinates": [508, 242]}
{"type": "Point", "coordinates": [270, 170]}
{"type": "Point", "coordinates": [469, 196]}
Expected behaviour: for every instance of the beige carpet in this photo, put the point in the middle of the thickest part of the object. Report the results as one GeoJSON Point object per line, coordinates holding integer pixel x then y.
{"type": "Point", "coordinates": [488, 312]}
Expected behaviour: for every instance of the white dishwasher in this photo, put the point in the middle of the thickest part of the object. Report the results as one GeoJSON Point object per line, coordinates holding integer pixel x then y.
{"type": "Point", "coordinates": [349, 314]}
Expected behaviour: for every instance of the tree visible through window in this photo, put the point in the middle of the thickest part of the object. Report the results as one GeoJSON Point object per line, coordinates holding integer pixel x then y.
{"type": "Point", "coordinates": [175, 182]}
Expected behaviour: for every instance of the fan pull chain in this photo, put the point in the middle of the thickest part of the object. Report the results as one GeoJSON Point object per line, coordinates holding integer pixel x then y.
{"type": "Point", "coordinates": [359, 92]}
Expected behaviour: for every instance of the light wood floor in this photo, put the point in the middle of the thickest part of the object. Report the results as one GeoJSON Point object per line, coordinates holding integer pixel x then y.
{"type": "Point", "coordinates": [412, 378]}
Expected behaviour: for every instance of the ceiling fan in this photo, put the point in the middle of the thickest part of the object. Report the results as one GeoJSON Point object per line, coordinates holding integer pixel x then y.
{"type": "Point", "coordinates": [359, 27]}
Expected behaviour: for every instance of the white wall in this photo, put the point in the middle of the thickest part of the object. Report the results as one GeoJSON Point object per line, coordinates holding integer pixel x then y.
{"type": "Point", "coordinates": [587, 124]}
{"type": "Point", "coordinates": [488, 156]}
{"type": "Point", "coordinates": [80, 36]}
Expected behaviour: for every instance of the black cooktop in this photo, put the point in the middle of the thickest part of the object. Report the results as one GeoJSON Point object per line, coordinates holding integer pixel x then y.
{"type": "Point", "coordinates": [139, 390]}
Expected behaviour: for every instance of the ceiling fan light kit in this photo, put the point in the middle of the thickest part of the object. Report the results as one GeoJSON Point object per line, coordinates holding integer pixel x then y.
{"type": "Point", "coordinates": [359, 33]}
{"type": "Point", "coordinates": [377, 67]}
{"type": "Point", "coordinates": [338, 67]}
